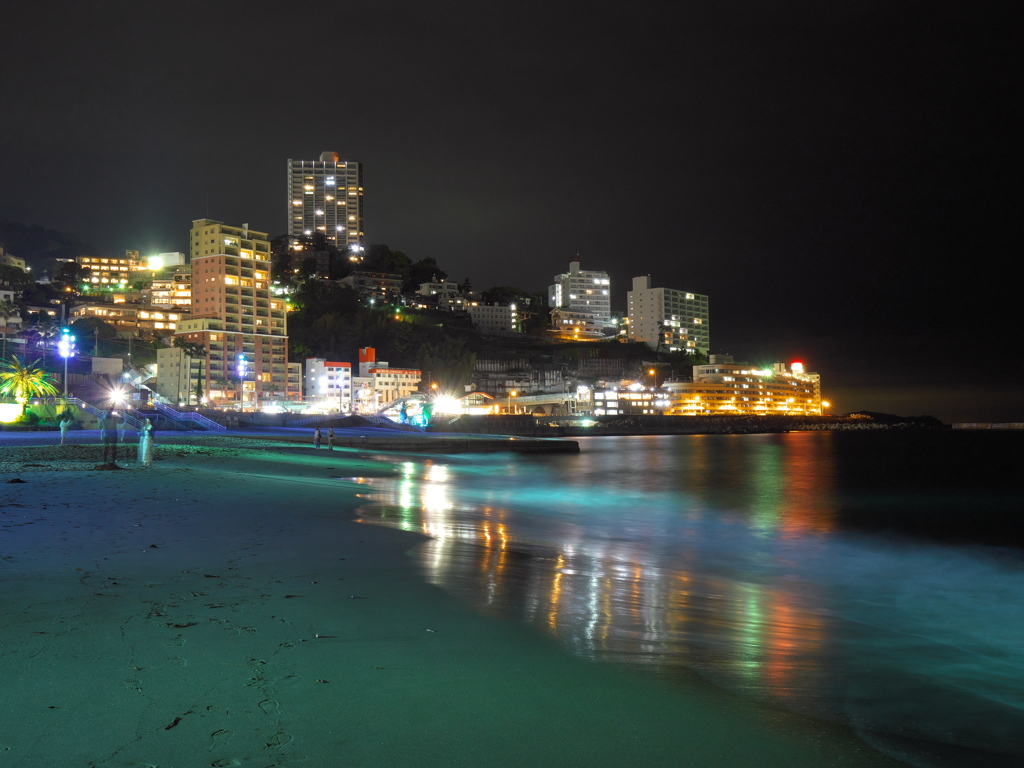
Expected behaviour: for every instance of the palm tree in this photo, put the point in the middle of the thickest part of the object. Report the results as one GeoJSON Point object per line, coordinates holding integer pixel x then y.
{"type": "Point", "coordinates": [193, 350]}
{"type": "Point", "coordinates": [45, 330]}
{"type": "Point", "coordinates": [225, 383]}
{"type": "Point", "coordinates": [8, 309]}
{"type": "Point", "coordinates": [24, 381]}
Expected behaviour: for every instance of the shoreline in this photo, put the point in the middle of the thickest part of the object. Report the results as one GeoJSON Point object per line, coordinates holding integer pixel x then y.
{"type": "Point", "coordinates": [174, 616]}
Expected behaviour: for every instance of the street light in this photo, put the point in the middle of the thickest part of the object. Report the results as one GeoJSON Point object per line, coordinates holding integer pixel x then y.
{"type": "Point", "coordinates": [66, 347]}
{"type": "Point", "coordinates": [512, 393]}
{"type": "Point", "coordinates": [240, 370]}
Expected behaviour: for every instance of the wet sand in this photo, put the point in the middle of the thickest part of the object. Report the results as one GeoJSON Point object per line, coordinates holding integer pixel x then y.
{"type": "Point", "coordinates": [223, 608]}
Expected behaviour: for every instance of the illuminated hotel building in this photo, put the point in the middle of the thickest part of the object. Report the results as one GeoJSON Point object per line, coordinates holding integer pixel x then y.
{"type": "Point", "coordinates": [329, 384]}
{"type": "Point", "coordinates": [326, 196]}
{"type": "Point", "coordinates": [132, 317]}
{"type": "Point", "coordinates": [242, 327]}
{"type": "Point", "coordinates": [741, 389]}
{"type": "Point", "coordinates": [498, 319]}
{"type": "Point", "coordinates": [172, 290]}
{"type": "Point", "coordinates": [668, 319]}
{"type": "Point", "coordinates": [583, 292]}
{"type": "Point", "coordinates": [108, 272]}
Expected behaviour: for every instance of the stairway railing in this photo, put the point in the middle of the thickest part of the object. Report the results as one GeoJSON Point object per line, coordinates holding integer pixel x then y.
{"type": "Point", "coordinates": [191, 416]}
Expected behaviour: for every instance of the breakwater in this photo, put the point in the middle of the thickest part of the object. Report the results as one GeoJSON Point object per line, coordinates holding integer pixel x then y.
{"type": "Point", "coordinates": [531, 426]}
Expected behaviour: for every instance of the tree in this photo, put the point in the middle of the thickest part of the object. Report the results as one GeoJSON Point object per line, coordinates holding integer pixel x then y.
{"type": "Point", "coordinates": [70, 275]}
{"type": "Point", "coordinates": [15, 276]}
{"type": "Point", "coordinates": [197, 351]}
{"type": "Point", "coordinates": [383, 259]}
{"type": "Point", "coordinates": [93, 329]}
{"type": "Point", "coordinates": [424, 271]}
{"type": "Point", "coordinates": [8, 309]}
{"type": "Point", "coordinates": [505, 295]}
{"type": "Point", "coordinates": [24, 381]}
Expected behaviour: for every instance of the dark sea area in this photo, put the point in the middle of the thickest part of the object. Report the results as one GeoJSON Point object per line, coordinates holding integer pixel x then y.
{"type": "Point", "coordinates": [871, 580]}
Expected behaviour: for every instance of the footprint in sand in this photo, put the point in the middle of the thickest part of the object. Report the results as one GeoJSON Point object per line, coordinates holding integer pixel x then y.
{"type": "Point", "coordinates": [270, 707]}
{"type": "Point", "coordinates": [226, 762]}
{"type": "Point", "coordinates": [220, 738]}
{"type": "Point", "coordinates": [178, 641]}
{"type": "Point", "coordinates": [178, 661]}
{"type": "Point", "coordinates": [217, 709]}
{"type": "Point", "coordinates": [133, 685]}
{"type": "Point", "coordinates": [279, 740]}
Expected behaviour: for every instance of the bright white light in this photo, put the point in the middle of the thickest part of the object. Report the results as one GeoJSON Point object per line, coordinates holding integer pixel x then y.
{"type": "Point", "coordinates": [155, 262]}
{"type": "Point", "coordinates": [117, 396]}
{"type": "Point", "coordinates": [447, 405]}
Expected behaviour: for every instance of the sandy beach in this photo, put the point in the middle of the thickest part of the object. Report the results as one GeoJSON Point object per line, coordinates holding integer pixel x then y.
{"type": "Point", "coordinates": [224, 608]}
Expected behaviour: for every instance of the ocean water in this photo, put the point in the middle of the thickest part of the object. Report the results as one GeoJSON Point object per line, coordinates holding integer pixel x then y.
{"type": "Point", "coordinates": [874, 580]}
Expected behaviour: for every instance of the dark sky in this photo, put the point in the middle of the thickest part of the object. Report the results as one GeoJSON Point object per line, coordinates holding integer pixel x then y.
{"type": "Point", "coordinates": [839, 178]}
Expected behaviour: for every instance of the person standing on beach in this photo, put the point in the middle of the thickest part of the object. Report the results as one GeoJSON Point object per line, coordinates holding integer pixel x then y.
{"type": "Point", "coordinates": [330, 439]}
{"type": "Point", "coordinates": [65, 424]}
{"type": "Point", "coordinates": [146, 443]}
{"type": "Point", "coordinates": [316, 437]}
{"type": "Point", "coordinates": [108, 434]}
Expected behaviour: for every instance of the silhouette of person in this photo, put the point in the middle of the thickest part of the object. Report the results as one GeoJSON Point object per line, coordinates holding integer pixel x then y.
{"type": "Point", "coordinates": [108, 433]}
{"type": "Point", "coordinates": [146, 443]}
{"type": "Point", "coordinates": [65, 425]}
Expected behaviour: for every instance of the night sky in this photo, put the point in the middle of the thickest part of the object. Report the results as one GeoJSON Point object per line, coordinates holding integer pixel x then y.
{"type": "Point", "coordinates": [841, 179]}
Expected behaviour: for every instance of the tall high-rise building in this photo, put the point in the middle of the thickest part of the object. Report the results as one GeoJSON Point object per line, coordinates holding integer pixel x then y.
{"type": "Point", "coordinates": [326, 196]}
{"type": "Point", "coordinates": [668, 319]}
{"type": "Point", "coordinates": [242, 327]}
{"type": "Point", "coordinates": [583, 291]}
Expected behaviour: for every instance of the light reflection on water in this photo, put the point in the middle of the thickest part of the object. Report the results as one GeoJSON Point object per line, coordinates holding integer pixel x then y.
{"type": "Point", "coordinates": [724, 555]}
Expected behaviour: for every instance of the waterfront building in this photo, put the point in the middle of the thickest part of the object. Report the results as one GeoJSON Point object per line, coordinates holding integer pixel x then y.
{"type": "Point", "coordinates": [329, 384]}
{"type": "Point", "coordinates": [176, 375]}
{"type": "Point", "coordinates": [631, 400]}
{"type": "Point", "coordinates": [325, 196]}
{"type": "Point", "coordinates": [586, 292]}
{"type": "Point", "coordinates": [242, 327]}
{"type": "Point", "coordinates": [668, 319]}
{"type": "Point", "coordinates": [725, 387]}
{"type": "Point", "coordinates": [379, 384]}
{"type": "Point", "coordinates": [131, 317]}
{"type": "Point", "coordinates": [497, 319]}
